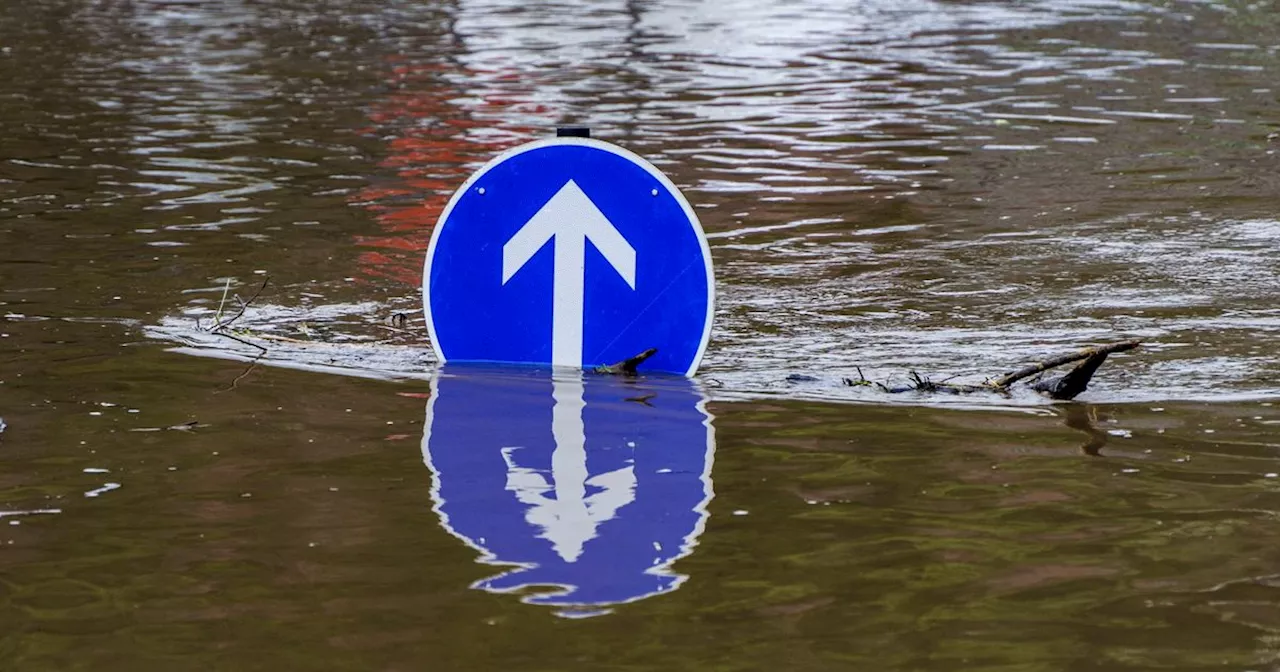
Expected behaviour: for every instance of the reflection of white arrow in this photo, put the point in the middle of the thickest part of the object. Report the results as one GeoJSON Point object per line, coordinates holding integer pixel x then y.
{"type": "Point", "coordinates": [572, 219]}
{"type": "Point", "coordinates": [569, 520]}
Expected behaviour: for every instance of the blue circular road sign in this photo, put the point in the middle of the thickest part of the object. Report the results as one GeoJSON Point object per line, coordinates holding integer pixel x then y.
{"type": "Point", "coordinates": [570, 252]}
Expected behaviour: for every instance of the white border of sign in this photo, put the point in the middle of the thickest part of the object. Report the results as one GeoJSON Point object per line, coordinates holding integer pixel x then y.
{"type": "Point", "coordinates": [586, 142]}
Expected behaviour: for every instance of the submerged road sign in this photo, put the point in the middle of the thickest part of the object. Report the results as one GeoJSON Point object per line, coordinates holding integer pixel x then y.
{"type": "Point", "coordinates": [584, 497]}
{"type": "Point", "coordinates": [571, 252]}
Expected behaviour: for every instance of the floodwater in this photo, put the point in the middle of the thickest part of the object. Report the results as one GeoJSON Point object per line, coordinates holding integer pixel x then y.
{"type": "Point", "coordinates": [953, 188]}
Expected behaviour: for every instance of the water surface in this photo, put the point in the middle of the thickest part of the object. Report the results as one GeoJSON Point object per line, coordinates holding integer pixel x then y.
{"type": "Point", "coordinates": [954, 188]}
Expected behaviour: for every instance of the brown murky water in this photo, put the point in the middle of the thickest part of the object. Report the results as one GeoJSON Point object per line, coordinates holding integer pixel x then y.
{"type": "Point", "coordinates": [949, 187]}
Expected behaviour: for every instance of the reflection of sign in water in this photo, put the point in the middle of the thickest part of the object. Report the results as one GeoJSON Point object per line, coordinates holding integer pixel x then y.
{"type": "Point", "coordinates": [589, 487]}
{"type": "Point", "coordinates": [571, 252]}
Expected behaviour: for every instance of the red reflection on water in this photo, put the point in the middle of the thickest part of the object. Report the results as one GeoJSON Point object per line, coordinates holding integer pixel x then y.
{"type": "Point", "coordinates": [438, 134]}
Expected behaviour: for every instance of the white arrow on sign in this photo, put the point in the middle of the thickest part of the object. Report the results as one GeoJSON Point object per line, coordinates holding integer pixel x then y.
{"type": "Point", "coordinates": [571, 219]}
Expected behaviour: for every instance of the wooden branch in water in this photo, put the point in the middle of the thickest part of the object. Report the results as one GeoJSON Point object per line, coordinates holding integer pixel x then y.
{"type": "Point", "coordinates": [1063, 388]}
{"type": "Point", "coordinates": [626, 367]}
{"type": "Point", "coordinates": [1097, 353]}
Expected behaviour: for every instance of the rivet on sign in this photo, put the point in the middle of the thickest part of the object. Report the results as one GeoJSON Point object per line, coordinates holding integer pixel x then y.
{"type": "Point", "coordinates": [653, 193]}
{"type": "Point", "coordinates": [482, 191]}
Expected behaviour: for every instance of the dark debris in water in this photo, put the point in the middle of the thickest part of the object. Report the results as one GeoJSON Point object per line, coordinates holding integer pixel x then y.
{"type": "Point", "coordinates": [626, 367]}
{"type": "Point", "coordinates": [1061, 388]}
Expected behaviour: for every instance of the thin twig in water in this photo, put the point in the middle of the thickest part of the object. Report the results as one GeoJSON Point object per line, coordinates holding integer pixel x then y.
{"type": "Point", "coordinates": [861, 381]}
{"type": "Point", "coordinates": [261, 350]}
{"type": "Point", "coordinates": [244, 305]}
{"type": "Point", "coordinates": [226, 288]}
{"type": "Point", "coordinates": [220, 327]}
{"type": "Point", "coordinates": [252, 365]}
{"type": "Point", "coordinates": [286, 339]}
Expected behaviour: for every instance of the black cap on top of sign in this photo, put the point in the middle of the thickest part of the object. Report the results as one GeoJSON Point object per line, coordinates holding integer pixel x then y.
{"type": "Point", "coordinates": [573, 132]}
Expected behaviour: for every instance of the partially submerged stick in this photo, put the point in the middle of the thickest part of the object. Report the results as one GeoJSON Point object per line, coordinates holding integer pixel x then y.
{"type": "Point", "coordinates": [626, 367]}
{"type": "Point", "coordinates": [1075, 381]}
{"type": "Point", "coordinates": [1062, 388]}
{"type": "Point", "coordinates": [1099, 354]}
